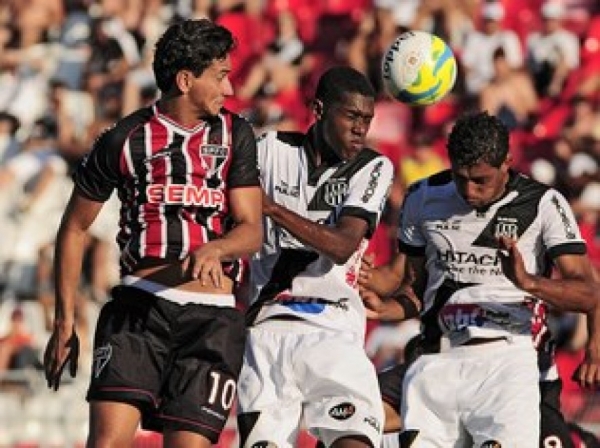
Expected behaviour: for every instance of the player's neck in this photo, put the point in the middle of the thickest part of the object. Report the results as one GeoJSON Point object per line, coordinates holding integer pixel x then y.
{"type": "Point", "coordinates": [179, 112]}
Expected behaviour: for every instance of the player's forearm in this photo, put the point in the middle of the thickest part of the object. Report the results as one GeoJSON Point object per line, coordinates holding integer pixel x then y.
{"type": "Point", "coordinates": [243, 240]}
{"type": "Point", "coordinates": [68, 259]}
{"type": "Point", "coordinates": [324, 239]}
{"type": "Point", "coordinates": [565, 294]}
{"type": "Point", "coordinates": [593, 329]}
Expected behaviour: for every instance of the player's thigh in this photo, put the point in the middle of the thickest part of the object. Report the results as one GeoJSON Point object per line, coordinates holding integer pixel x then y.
{"type": "Point", "coordinates": [129, 351]}
{"type": "Point", "coordinates": [201, 376]}
{"type": "Point", "coordinates": [504, 399]}
{"type": "Point", "coordinates": [340, 385]}
{"type": "Point", "coordinates": [429, 410]}
{"type": "Point", "coordinates": [112, 423]}
{"type": "Point", "coordinates": [269, 403]}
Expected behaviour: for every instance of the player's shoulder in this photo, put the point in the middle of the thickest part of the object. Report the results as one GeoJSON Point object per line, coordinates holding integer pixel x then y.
{"type": "Point", "coordinates": [237, 120]}
{"type": "Point", "coordinates": [369, 154]}
{"type": "Point", "coordinates": [283, 138]}
{"type": "Point", "coordinates": [116, 134]}
{"type": "Point", "coordinates": [438, 180]}
{"type": "Point", "coordinates": [528, 188]}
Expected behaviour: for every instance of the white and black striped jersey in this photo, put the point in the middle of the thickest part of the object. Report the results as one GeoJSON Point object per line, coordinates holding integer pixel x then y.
{"type": "Point", "coordinates": [172, 182]}
{"type": "Point", "coordinates": [467, 294]}
{"type": "Point", "coordinates": [289, 278]}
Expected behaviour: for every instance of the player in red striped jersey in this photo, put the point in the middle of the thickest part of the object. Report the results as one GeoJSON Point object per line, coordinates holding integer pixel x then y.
{"type": "Point", "coordinates": [168, 346]}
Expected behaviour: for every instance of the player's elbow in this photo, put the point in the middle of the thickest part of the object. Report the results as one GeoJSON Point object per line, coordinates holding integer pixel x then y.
{"type": "Point", "coordinates": [341, 253]}
{"type": "Point", "coordinates": [256, 238]}
{"type": "Point", "coordinates": [339, 258]}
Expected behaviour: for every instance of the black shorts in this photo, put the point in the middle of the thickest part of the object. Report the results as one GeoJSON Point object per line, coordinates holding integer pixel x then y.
{"type": "Point", "coordinates": [178, 364]}
{"type": "Point", "coordinates": [554, 430]}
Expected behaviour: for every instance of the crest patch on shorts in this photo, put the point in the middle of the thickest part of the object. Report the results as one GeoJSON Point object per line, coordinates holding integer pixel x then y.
{"type": "Point", "coordinates": [491, 444]}
{"type": "Point", "coordinates": [342, 411]}
{"type": "Point", "coordinates": [101, 357]}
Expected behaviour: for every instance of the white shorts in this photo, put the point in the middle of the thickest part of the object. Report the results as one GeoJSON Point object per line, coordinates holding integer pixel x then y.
{"type": "Point", "coordinates": [296, 375]}
{"type": "Point", "coordinates": [470, 395]}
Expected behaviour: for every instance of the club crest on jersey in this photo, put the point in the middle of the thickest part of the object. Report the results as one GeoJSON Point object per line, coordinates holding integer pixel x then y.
{"type": "Point", "coordinates": [334, 191]}
{"type": "Point", "coordinates": [507, 227]}
{"type": "Point", "coordinates": [213, 156]}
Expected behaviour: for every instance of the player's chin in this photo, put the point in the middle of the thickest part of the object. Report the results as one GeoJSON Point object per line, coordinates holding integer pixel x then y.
{"type": "Point", "coordinates": [216, 108]}
{"type": "Point", "coordinates": [355, 146]}
{"type": "Point", "coordinates": [475, 203]}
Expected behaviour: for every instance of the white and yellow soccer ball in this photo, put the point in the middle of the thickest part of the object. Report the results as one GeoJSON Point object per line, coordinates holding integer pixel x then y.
{"type": "Point", "coordinates": [419, 68]}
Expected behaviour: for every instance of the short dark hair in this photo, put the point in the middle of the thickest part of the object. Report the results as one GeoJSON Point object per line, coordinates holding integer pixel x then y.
{"type": "Point", "coordinates": [337, 82]}
{"type": "Point", "coordinates": [478, 137]}
{"type": "Point", "coordinates": [189, 45]}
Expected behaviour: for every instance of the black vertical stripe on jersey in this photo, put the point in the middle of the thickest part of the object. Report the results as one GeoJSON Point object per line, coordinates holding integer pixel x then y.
{"type": "Point", "coordinates": [431, 331]}
{"type": "Point", "coordinates": [344, 171]}
{"type": "Point", "coordinates": [138, 155]}
{"type": "Point", "coordinates": [289, 264]}
{"type": "Point", "coordinates": [215, 137]}
{"type": "Point", "coordinates": [173, 221]}
{"type": "Point", "coordinates": [524, 208]}
{"type": "Point", "coordinates": [203, 214]}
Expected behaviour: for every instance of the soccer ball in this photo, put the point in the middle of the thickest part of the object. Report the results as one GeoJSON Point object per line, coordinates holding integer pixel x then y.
{"type": "Point", "coordinates": [418, 68]}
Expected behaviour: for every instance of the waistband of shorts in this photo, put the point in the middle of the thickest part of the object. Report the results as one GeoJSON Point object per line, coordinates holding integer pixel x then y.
{"type": "Point", "coordinates": [484, 344]}
{"type": "Point", "coordinates": [178, 296]}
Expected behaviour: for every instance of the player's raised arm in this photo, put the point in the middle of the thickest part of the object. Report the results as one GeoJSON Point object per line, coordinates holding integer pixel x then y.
{"type": "Point", "coordinates": [575, 291]}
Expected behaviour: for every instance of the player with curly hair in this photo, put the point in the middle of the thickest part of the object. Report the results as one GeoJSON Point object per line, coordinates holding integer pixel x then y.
{"type": "Point", "coordinates": [168, 347]}
{"type": "Point", "coordinates": [460, 269]}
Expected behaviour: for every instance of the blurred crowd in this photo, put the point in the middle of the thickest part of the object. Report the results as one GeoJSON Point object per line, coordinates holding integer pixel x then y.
{"type": "Point", "coordinates": [70, 68]}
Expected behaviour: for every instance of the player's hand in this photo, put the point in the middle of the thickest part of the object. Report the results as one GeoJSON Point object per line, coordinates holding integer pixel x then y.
{"type": "Point", "coordinates": [373, 303]}
{"type": "Point", "coordinates": [205, 265]}
{"type": "Point", "coordinates": [587, 374]}
{"type": "Point", "coordinates": [62, 350]}
{"type": "Point", "coordinates": [512, 262]}
{"type": "Point", "coordinates": [367, 263]}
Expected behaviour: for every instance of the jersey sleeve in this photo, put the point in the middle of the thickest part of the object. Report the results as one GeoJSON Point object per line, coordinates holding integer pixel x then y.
{"type": "Point", "coordinates": [244, 168]}
{"type": "Point", "coordinates": [410, 237]}
{"type": "Point", "coordinates": [368, 192]}
{"type": "Point", "coordinates": [264, 150]}
{"type": "Point", "coordinates": [560, 230]}
{"type": "Point", "coordinates": [97, 174]}
{"type": "Point", "coordinates": [263, 143]}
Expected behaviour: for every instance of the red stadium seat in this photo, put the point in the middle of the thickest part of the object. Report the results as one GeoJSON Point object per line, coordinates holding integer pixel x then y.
{"type": "Point", "coordinates": [551, 123]}
{"type": "Point", "coordinates": [591, 40]}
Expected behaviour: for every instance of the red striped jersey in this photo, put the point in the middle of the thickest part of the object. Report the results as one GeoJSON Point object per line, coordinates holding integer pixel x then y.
{"type": "Point", "coordinates": [172, 181]}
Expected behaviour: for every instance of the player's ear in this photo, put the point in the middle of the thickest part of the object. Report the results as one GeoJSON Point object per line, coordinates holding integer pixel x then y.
{"type": "Point", "coordinates": [508, 161]}
{"type": "Point", "coordinates": [183, 80]}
